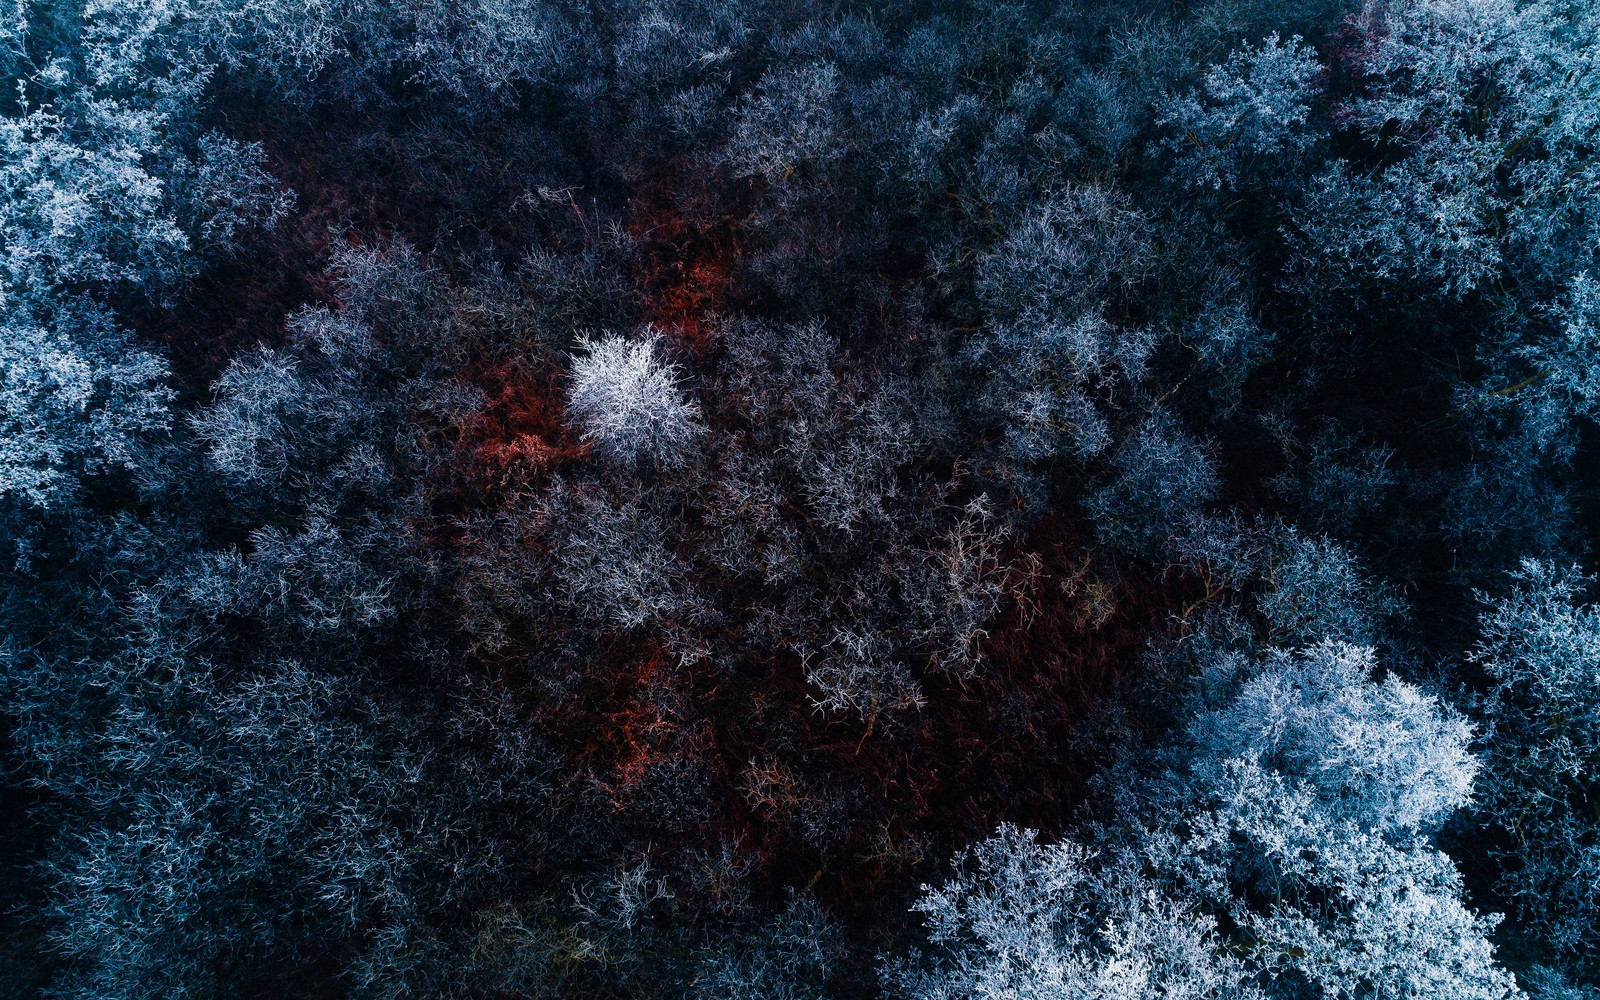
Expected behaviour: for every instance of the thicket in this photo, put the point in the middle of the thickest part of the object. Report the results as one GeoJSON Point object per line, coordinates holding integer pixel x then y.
{"type": "Point", "coordinates": [579, 498]}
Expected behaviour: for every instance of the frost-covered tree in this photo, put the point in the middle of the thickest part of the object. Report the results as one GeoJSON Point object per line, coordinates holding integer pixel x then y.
{"type": "Point", "coordinates": [787, 124]}
{"type": "Point", "coordinates": [1067, 256]}
{"type": "Point", "coordinates": [789, 956]}
{"type": "Point", "coordinates": [1381, 755]}
{"type": "Point", "coordinates": [1021, 919]}
{"type": "Point", "coordinates": [614, 559]}
{"type": "Point", "coordinates": [81, 216]}
{"type": "Point", "coordinates": [1540, 646]}
{"type": "Point", "coordinates": [1251, 119]}
{"type": "Point", "coordinates": [80, 206]}
{"type": "Point", "coordinates": [76, 398]}
{"type": "Point", "coordinates": [1313, 589]}
{"type": "Point", "coordinates": [1046, 379]}
{"type": "Point", "coordinates": [224, 193]}
{"type": "Point", "coordinates": [1161, 481]}
{"type": "Point", "coordinates": [1321, 783]}
{"type": "Point", "coordinates": [1552, 378]}
{"type": "Point", "coordinates": [232, 823]}
{"type": "Point", "coordinates": [1478, 116]}
{"type": "Point", "coordinates": [1284, 851]}
{"type": "Point", "coordinates": [629, 401]}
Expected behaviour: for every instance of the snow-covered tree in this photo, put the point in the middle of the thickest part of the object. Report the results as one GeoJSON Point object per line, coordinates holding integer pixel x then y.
{"type": "Point", "coordinates": [789, 123]}
{"type": "Point", "coordinates": [1480, 116]}
{"type": "Point", "coordinates": [629, 402]}
{"type": "Point", "coordinates": [1035, 921]}
{"type": "Point", "coordinates": [1541, 646]}
{"type": "Point", "coordinates": [1379, 754]}
{"type": "Point", "coordinates": [76, 398]}
{"type": "Point", "coordinates": [1284, 850]}
{"type": "Point", "coordinates": [1251, 118]}
{"type": "Point", "coordinates": [1161, 481]}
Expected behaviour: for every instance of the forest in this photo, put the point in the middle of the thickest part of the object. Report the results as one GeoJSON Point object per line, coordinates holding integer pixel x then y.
{"type": "Point", "coordinates": [800, 499]}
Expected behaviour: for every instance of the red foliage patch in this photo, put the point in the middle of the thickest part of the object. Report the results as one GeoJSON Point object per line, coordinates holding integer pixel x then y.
{"type": "Point", "coordinates": [690, 756]}
{"type": "Point", "coordinates": [521, 425]}
{"type": "Point", "coordinates": [688, 248]}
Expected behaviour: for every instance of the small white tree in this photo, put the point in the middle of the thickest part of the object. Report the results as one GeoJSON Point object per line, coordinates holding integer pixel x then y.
{"type": "Point", "coordinates": [627, 400]}
{"type": "Point", "coordinates": [1252, 113]}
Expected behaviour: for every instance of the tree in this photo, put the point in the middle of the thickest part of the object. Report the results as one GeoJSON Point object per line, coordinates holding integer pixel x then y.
{"type": "Point", "coordinates": [1045, 378]}
{"type": "Point", "coordinates": [1250, 122]}
{"type": "Point", "coordinates": [1540, 645]}
{"type": "Point", "coordinates": [1477, 116]}
{"type": "Point", "coordinates": [225, 828]}
{"type": "Point", "coordinates": [76, 399]}
{"type": "Point", "coordinates": [614, 559]}
{"type": "Point", "coordinates": [628, 402]}
{"type": "Point", "coordinates": [1281, 852]}
{"type": "Point", "coordinates": [788, 123]}
{"type": "Point", "coordinates": [225, 194]}
{"type": "Point", "coordinates": [1382, 756]}
{"type": "Point", "coordinates": [1020, 919]}
{"type": "Point", "coordinates": [79, 205]}
{"type": "Point", "coordinates": [1067, 256]}
{"type": "Point", "coordinates": [788, 956]}
{"type": "Point", "coordinates": [1160, 483]}
{"type": "Point", "coordinates": [1561, 389]}
{"type": "Point", "coordinates": [1313, 590]}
